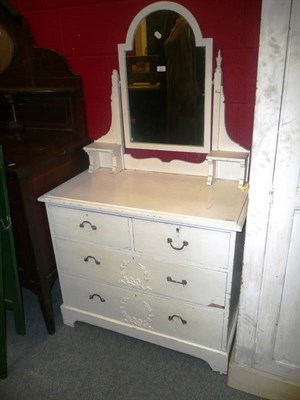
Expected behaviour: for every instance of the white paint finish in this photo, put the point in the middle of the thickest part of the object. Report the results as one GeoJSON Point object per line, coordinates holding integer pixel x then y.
{"type": "Point", "coordinates": [278, 246]}
{"type": "Point", "coordinates": [152, 238]}
{"type": "Point", "coordinates": [287, 342]}
{"type": "Point", "coordinates": [178, 198]}
{"type": "Point", "coordinates": [234, 284]}
{"type": "Point", "coordinates": [107, 155]}
{"type": "Point", "coordinates": [221, 139]}
{"type": "Point", "coordinates": [115, 133]}
{"type": "Point", "coordinates": [164, 5]}
{"type": "Point", "coordinates": [217, 359]}
{"type": "Point", "coordinates": [172, 167]}
{"type": "Point", "coordinates": [120, 126]}
{"type": "Point", "coordinates": [200, 41]}
{"type": "Point", "coordinates": [268, 329]}
{"type": "Point", "coordinates": [108, 151]}
{"type": "Point", "coordinates": [228, 156]}
{"type": "Point", "coordinates": [271, 64]}
{"type": "Point", "coordinates": [149, 274]}
{"type": "Point", "coordinates": [89, 226]}
{"type": "Point", "coordinates": [112, 235]}
{"type": "Point", "coordinates": [134, 214]}
{"type": "Point", "coordinates": [262, 384]}
{"type": "Point", "coordinates": [228, 165]}
{"type": "Point", "coordinates": [194, 323]}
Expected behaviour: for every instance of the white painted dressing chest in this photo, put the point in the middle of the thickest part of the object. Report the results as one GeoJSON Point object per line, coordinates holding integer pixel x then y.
{"type": "Point", "coordinates": [154, 249]}
{"type": "Point", "coordinates": [155, 256]}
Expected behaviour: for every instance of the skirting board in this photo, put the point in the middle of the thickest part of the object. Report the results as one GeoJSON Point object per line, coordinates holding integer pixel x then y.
{"type": "Point", "coordinates": [261, 384]}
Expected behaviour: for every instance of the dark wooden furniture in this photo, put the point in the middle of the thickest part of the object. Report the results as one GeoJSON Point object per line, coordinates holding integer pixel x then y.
{"type": "Point", "coordinates": [42, 131]}
{"type": "Point", "coordinates": [10, 292]}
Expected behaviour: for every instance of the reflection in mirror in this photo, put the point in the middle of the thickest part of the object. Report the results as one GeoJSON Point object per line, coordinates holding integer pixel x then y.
{"type": "Point", "coordinates": [166, 76]}
{"type": "Point", "coordinates": [166, 81]}
{"type": "Point", "coordinates": [161, 102]}
{"type": "Point", "coordinates": [6, 49]}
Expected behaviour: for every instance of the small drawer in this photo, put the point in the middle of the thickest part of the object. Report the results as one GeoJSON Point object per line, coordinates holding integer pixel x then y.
{"type": "Point", "coordinates": [150, 275]}
{"type": "Point", "coordinates": [90, 261]}
{"type": "Point", "coordinates": [89, 226]}
{"type": "Point", "coordinates": [182, 243]}
{"type": "Point", "coordinates": [176, 319]}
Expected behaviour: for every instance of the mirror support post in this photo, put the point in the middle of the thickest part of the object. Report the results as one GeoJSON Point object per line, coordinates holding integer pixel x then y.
{"type": "Point", "coordinates": [227, 160]}
{"type": "Point", "coordinates": [108, 150]}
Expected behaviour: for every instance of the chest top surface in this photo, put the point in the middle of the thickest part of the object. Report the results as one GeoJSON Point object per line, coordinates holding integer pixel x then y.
{"type": "Point", "coordinates": [159, 196]}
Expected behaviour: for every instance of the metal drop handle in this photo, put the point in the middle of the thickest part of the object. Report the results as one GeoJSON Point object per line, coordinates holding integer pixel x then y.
{"type": "Point", "coordinates": [171, 317]}
{"type": "Point", "coordinates": [86, 259]}
{"type": "Point", "coordinates": [97, 295]}
{"type": "Point", "coordinates": [89, 223]}
{"type": "Point", "coordinates": [183, 282]}
{"type": "Point", "coordinates": [184, 243]}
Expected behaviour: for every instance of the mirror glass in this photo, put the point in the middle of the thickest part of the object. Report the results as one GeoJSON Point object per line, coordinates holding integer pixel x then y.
{"type": "Point", "coordinates": [166, 83]}
{"type": "Point", "coordinates": [166, 76]}
{"type": "Point", "coordinates": [6, 49]}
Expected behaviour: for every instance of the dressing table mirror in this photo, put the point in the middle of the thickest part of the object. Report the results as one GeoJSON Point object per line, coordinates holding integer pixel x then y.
{"type": "Point", "coordinates": [145, 247]}
{"type": "Point", "coordinates": [193, 124]}
{"type": "Point", "coordinates": [166, 74]}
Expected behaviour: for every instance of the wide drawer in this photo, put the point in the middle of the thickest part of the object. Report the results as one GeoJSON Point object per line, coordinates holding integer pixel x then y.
{"type": "Point", "coordinates": [149, 274]}
{"type": "Point", "coordinates": [176, 319]}
{"type": "Point", "coordinates": [89, 226]}
{"type": "Point", "coordinates": [182, 243]}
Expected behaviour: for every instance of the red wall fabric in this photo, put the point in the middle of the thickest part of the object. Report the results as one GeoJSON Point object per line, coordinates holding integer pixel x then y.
{"type": "Point", "coordinates": [87, 32]}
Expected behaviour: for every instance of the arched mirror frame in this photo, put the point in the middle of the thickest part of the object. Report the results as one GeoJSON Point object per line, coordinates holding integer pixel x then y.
{"type": "Point", "coordinates": [225, 159]}
{"type": "Point", "coordinates": [200, 42]}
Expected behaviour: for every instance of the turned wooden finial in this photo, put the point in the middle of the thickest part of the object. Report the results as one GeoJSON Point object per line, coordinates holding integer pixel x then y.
{"type": "Point", "coordinates": [219, 60]}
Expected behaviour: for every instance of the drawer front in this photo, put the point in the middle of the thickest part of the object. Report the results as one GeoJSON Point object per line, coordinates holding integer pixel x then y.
{"type": "Point", "coordinates": [182, 243]}
{"type": "Point", "coordinates": [180, 320]}
{"type": "Point", "coordinates": [90, 227]}
{"type": "Point", "coordinates": [151, 275]}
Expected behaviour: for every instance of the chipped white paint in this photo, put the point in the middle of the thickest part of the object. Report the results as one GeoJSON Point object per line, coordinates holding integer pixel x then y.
{"type": "Point", "coordinates": [269, 322]}
{"type": "Point", "coordinates": [181, 255]}
{"type": "Point", "coordinates": [153, 255]}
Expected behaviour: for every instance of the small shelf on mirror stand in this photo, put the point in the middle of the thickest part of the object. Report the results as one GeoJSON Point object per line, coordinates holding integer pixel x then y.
{"type": "Point", "coordinates": [107, 155]}
{"type": "Point", "coordinates": [228, 165]}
